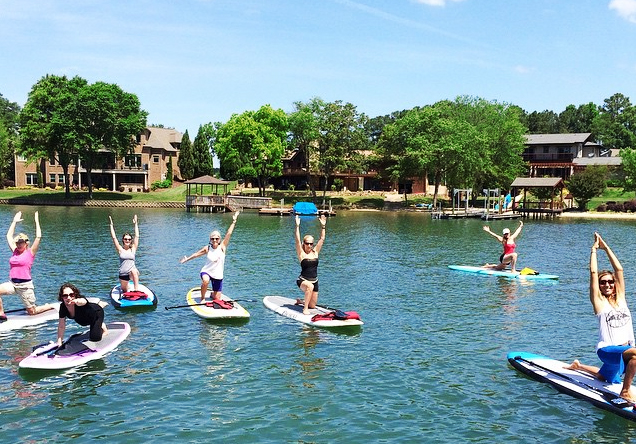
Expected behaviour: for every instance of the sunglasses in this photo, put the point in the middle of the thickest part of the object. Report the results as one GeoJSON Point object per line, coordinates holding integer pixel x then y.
{"type": "Point", "coordinates": [68, 295]}
{"type": "Point", "coordinates": [212, 239]}
{"type": "Point", "coordinates": [127, 239]}
{"type": "Point", "coordinates": [309, 243]}
{"type": "Point", "coordinates": [606, 282]}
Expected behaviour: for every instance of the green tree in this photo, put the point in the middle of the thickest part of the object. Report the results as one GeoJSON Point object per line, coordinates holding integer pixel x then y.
{"type": "Point", "coordinates": [544, 122]}
{"type": "Point", "coordinates": [104, 117]}
{"type": "Point", "coordinates": [251, 145]}
{"type": "Point", "coordinates": [46, 131]}
{"type": "Point", "coordinates": [341, 136]}
{"type": "Point", "coordinates": [615, 125]}
{"type": "Point", "coordinates": [628, 163]}
{"type": "Point", "coordinates": [587, 184]}
{"type": "Point", "coordinates": [169, 173]}
{"type": "Point", "coordinates": [9, 125]}
{"type": "Point", "coordinates": [186, 158]}
{"type": "Point", "coordinates": [304, 133]}
{"type": "Point", "coordinates": [203, 165]}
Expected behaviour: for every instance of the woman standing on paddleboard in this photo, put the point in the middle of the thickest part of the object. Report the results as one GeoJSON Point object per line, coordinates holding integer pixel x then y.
{"type": "Point", "coordinates": [126, 252]}
{"type": "Point", "coordinates": [307, 254]}
{"type": "Point", "coordinates": [212, 271]}
{"type": "Point", "coordinates": [508, 257]}
{"type": "Point", "coordinates": [615, 347]}
{"type": "Point", "coordinates": [75, 306]}
{"type": "Point", "coordinates": [20, 268]}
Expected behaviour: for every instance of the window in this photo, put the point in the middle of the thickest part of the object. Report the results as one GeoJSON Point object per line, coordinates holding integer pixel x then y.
{"type": "Point", "coordinates": [31, 178]}
{"type": "Point", "coordinates": [52, 162]}
{"type": "Point", "coordinates": [133, 161]}
{"type": "Point", "coordinates": [51, 177]}
{"type": "Point", "coordinates": [155, 159]}
{"type": "Point", "coordinates": [21, 158]}
{"type": "Point", "coordinates": [60, 178]}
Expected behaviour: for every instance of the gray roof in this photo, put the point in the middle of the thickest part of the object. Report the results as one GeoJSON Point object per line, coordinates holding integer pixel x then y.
{"type": "Point", "coordinates": [536, 182]}
{"type": "Point", "coordinates": [163, 138]}
{"type": "Point", "coordinates": [609, 161]}
{"type": "Point", "coordinates": [557, 139]}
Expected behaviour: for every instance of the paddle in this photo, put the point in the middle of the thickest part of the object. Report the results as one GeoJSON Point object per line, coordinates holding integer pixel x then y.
{"type": "Point", "coordinates": [206, 303]}
{"type": "Point", "coordinates": [610, 397]}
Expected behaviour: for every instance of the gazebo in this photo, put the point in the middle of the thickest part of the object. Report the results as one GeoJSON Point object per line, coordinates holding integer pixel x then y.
{"type": "Point", "coordinates": [538, 208]}
{"type": "Point", "coordinates": [202, 181]}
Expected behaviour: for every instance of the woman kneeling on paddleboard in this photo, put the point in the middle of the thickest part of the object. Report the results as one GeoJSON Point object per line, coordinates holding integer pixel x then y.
{"type": "Point", "coordinates": [508, 257]}
{"type": "Point", "coordinates": [75, 306]}
{"type": "Point", "coordinates": [308, 256]}
{"type": "Point", "coordinates": [616, 333]}
{"type": "Point", "coordinates": [20, 265]}
{"type": "Point", "coordinates": [212, 271]}
{"type": "Point", "coordinates": [126, 252]}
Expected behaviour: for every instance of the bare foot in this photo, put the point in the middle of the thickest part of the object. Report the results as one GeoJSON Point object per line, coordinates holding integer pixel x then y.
{"type": "Point", "coordinates": [574, 366]}
{"type": "Point", "coordinates": [202, 301]}
{"type": "Point", "coordinates": [299, 302]}
{"type": "Point", "coordinates": [628, 396]}
{"type": "Point", "coordinates": [306, 312]}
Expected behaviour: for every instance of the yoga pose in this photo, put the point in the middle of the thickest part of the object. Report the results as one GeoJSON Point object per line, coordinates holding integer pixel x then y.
{"type": "Point", "coordinates": [307, 254]}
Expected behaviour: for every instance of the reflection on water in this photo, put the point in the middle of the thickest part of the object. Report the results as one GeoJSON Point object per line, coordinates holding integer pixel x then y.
{"type": "Point", "coordinates": [428, 365]}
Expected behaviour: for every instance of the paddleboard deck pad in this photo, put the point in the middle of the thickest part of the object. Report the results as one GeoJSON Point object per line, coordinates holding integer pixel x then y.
{"type": "Point", "coordinates": [145, 297]}
{"type": "Point", "coordinates": [287, 307]}
{"type": "Point", "coordinates": [213, 311]}
{"type": "Point", "coordinates": [508, 274]}
{"type": "Point", "coordinates": [76, 350]}
{"type": "Point", "coordinates": [21, 319]}
{"type": "Point", "coordinates": [573, 382]}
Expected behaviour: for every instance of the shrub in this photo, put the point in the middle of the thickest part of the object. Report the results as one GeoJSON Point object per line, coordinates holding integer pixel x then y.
{"type": "Point", "coordinates": [630, 205]}
{"type": "Point", "coordinates": [160, 184]}
{"type": "Point", "coordinates": [614, 206]}
{"type": "Point", "coordinates": [601, 208]}
{"type": "Point", "coordinates": [120, 189]}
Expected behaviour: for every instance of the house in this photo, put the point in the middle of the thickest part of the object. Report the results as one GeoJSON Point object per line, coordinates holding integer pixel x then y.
{"type": "Point", "coordinates": [561, 155]}
{"type": "Point", "coordinates": [147, 163]}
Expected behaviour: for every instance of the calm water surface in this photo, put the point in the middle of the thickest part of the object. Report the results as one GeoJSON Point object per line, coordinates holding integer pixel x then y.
{"type": "Point", "coordinates": [429, 365]}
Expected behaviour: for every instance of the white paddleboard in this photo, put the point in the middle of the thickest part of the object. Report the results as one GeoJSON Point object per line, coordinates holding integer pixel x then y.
{"type": "Point", "coordinates": [193, 298]}
{"type": "Point", "coordinates": [573, 382]}
{"type": "Point", "coordinates": [132, 300]}
{"type": "Point", "coordinates": [52, 359]}
{"type": "Point", "coordinates": [288, 308]}
{"type": "Point", "coordinates": [22, 319]}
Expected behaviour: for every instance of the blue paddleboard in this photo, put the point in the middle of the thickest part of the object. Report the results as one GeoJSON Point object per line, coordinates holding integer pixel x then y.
{"type": "Point", "coordinates": [145, 297]}
{"type": "Point", "coordinates": [504, 273]}
{"type": "Point", "coordinates": [573, 382]}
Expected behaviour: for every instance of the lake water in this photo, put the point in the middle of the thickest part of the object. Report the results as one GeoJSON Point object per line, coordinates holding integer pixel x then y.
{"type": "Point", "coordinates": [429, 365]}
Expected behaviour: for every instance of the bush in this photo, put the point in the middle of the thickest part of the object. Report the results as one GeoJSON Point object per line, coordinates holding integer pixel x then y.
{"type": "Point", "coordinates": [614, 206]}
{"type": "Point", "coordinates": [120, 189]}
{"type": "Point", "coordinates": [602, 208]}
{"type": "Point", "coordinates": [630, 205]}
{"type": "Point", "coordinates": [167, 183]}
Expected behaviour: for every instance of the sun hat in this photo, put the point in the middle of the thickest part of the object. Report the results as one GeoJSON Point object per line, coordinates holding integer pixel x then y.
{"type": "Point", "coordinates": [21, 237]}
{"type": "Point", "coordinates": [506, 231]}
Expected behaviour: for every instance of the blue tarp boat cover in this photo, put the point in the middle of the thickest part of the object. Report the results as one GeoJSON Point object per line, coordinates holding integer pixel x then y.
{"type": "Point", "coordinates": [305, 208]}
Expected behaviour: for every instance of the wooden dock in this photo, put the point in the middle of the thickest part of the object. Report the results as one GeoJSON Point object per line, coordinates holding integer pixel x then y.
{"type": "Point", "coordinates": [290, 212]}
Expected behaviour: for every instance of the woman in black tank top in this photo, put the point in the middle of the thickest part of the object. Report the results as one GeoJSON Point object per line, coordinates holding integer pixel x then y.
{"type": "Point", "coordinates": [307, 253]}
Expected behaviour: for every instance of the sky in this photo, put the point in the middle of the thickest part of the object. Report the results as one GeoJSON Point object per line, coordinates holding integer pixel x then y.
{"type": "Point", "coordinates": [191, 62]}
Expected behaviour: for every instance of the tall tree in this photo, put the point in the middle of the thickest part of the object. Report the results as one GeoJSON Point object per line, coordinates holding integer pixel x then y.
{"type": "Point", "coordinates": [104, 117]}
{"type": "Point", "coordinates": [544, 122]}
{"type": "Point", "coordinates": [615, 124]}
{"type": "Point", "coordinates": [46, 131]}
{"type": "Point", "coordinates": [202, 155]}
{"type": "Point", "coordinates": [251, 145]}
{"type": "Point", "coordinates": [186, 158]}
{"type": "Point", "coordinates": [9, 125]}
{"type": "Point", "coordinates": [304, 132]}
{"type": "Point", "coordinates": [589, 183]}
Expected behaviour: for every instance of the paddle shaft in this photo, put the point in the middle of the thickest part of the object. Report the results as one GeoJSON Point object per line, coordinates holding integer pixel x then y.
{"type": "Point", "coordinates": [611, 397]}
{"type": "Point", "coordinates": [206, 303]}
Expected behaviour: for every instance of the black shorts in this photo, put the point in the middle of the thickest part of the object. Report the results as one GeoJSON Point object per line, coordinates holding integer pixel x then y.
{"type": "Point", "coordinates": [300, 281]}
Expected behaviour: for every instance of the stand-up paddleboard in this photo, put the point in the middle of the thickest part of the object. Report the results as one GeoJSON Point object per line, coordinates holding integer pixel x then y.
{"type": "Point", "coordinates": [145, 297]}
{"type": "Point", "coordinates": [21, 319]}
{"type": "Point", "coordinates": [573, 382]}
{"type": "Point", "coordinates": [77, 349]}
{"type": "Point", "coordinates": [317, 317]}
{"type": "Point", "coordinates": [504, 273]}
{"type": "Point", "coordinates": [213, 311]}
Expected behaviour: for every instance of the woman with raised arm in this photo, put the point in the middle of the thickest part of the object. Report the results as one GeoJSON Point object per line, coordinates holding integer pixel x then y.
{"type": "Point", "coordinates": [212, 271]}
{"type": "Point", "coordinates": [615, 347]}
{"type": "Point", "coordinates": [127, 251]}
{"type": "Point", "coordinates": [74, 305]}
{"type": "Point", "coordinates": [307, 254]}
{"type": "Point", "coordinates": [508, 257]}
{"type": "Point", "coordinates": [20, 268]}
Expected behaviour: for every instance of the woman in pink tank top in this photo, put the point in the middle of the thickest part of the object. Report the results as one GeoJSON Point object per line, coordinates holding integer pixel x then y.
{"type": "Point", "coordinates": [509, 257]}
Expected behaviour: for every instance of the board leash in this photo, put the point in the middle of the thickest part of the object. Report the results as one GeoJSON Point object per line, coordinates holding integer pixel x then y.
{"type": "Point", "coordinates": [206, 303]}
{"type": "Point", "coordinates": [609, 396]}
